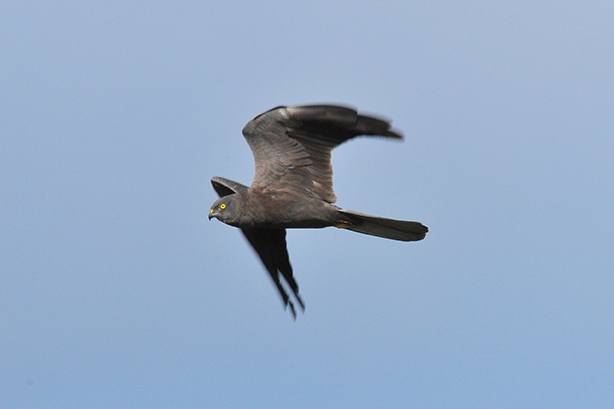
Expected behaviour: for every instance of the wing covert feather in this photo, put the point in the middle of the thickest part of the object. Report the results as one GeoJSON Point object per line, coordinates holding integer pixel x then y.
{"type": "Point", "coordinates": [292, 145]}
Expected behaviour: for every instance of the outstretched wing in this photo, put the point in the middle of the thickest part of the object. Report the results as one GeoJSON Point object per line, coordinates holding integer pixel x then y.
{"type": "Point", "coordinates": [270, 244]}
{"type": "Point", "coordinates": [225, 187]}
{"type": "Point", "coordinates": [292, 145]}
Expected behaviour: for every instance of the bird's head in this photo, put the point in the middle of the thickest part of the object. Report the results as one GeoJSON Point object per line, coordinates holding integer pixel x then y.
{"type": "Point", "coordinates": [223, 209]}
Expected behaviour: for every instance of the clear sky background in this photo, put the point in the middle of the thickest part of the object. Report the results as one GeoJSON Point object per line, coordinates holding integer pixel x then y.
{"type": "Point", "coordinates": [116, 292]}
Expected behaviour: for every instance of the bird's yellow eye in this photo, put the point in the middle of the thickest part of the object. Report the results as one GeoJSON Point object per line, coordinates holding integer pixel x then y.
{"type": "Point", "coordinates": [222, 206]}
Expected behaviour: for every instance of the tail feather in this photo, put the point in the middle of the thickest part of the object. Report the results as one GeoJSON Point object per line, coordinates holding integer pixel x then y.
{"type": "Point", "coordinates": [379, 226]}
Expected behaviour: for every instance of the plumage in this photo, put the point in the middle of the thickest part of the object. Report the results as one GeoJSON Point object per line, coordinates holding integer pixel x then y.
{"type": "Point", "coordinates": [293, 185]}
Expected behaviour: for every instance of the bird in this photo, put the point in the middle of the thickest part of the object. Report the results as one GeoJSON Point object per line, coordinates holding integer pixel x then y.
{"type": "Point", "coordinates": [293, 185]}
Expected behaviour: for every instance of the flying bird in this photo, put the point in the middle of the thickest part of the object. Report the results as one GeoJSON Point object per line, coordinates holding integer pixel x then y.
{"type": "Point", "coordinates": [293, 185]}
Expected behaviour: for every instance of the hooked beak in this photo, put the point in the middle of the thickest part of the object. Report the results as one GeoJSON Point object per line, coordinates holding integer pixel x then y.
{"type": "Point", "coordinates": [212, 214]}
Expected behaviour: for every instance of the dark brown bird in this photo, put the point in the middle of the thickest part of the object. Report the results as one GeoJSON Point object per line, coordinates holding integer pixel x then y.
{"type": "Point", "coordinates": [293, 184]}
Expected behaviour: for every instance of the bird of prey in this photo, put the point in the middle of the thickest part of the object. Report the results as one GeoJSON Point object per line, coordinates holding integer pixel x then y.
{"type": "Point", "coordinates": [293, 185]}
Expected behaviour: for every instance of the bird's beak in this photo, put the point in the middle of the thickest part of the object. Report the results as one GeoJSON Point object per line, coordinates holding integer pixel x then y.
{"type": "Point", "coordinates": [212, 214]}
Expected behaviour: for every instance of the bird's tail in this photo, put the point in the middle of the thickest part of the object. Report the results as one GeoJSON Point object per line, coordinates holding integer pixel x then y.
{"type": "Point", "coordinates": [379, 226]}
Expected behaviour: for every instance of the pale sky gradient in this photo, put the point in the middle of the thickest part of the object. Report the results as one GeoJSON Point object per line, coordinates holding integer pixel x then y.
{"type": "Point", "coordinates": [116, 292]}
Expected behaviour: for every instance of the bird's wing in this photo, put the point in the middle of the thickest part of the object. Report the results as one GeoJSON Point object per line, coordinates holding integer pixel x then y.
{"type": "Point", "coordinates": [292, 145]}
{"type": "Point", "coordinates": [270, 244]}
{"type": "Point", "coordinates": [225, 187]}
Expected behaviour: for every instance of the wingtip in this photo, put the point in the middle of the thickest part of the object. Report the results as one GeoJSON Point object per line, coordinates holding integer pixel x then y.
{"type": "Point", "coordinates": [393, 133]}
{"type": "Point", "coordinates": [292, 310]}
{"type": "Point", "coordinates": [289, 304]}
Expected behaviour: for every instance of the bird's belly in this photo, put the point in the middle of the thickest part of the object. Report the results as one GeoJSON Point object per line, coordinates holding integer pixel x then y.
{"type": "Point", "coordinates": [284, 214]}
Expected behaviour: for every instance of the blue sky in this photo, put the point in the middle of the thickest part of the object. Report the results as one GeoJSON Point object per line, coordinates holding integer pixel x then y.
{"type": "Point", "coordinates": [116, 292]}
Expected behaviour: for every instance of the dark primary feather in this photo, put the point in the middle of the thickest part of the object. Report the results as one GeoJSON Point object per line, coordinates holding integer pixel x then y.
{"type": "Point", "coordinates": [270, 244]}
